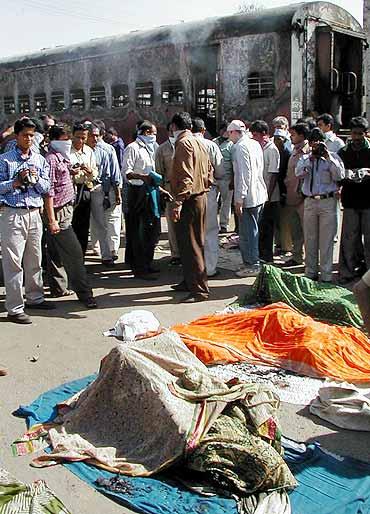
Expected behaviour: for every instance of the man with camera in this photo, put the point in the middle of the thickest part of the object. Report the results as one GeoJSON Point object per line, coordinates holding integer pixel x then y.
{"type": "Point", "coordinates": [321, 171]}
{"type": "Point", "coordinates": [24, 179]}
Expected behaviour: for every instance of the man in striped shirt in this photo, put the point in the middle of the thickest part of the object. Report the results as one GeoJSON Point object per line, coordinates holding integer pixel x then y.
{"type": "Point", "coordinates": [24, 179]}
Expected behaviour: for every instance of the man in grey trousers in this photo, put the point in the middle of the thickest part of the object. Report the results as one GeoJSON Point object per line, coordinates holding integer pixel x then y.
{"type": "Point", "coordinates": [24, 179]}
{"type": "Point", "coordinates": [64, 254]}
{"type": "Point", "coordinates": [321, 171]}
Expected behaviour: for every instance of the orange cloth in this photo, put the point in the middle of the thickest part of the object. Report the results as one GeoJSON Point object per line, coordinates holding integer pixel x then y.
{"type": "Point", "coordinates": [280, 336]}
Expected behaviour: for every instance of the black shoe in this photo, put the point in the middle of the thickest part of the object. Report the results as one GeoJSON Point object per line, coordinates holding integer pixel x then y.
{"type": "Point", "coordinates": [90, 303]}
{"type": "Point", "coordinates": [114, 257]}
{"type": "Point", "coordinates": [180, 287]}
{"type": "Point", "coordinates": [223, 230]}
{"type": "Point", "coordinates": [153, 269]}
{"type": "Point", "coordinates": [175, 261]}
{"type": "Point", "coordinates": [291, 262]}
{"type": "Point", "coordinates": [21, 318]}
{"type": "Point", "coordinates": [43, 306]}
{"type": "Point", "coordinates": [194, 298]}
{"type": "Point", "coordinates": [109, 263]}
{"type": "Point", "coordinates": [145, 276]}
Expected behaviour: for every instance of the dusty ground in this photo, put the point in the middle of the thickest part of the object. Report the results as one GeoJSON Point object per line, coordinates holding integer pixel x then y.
{"type": "Point", "coordinates": [69, 344]}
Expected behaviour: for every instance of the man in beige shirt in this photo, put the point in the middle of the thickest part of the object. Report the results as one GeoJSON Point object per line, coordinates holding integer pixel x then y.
{"type": "Point", "coordinates": [190, 181]}
{"type": "Point", "coordinates": [294, 198]}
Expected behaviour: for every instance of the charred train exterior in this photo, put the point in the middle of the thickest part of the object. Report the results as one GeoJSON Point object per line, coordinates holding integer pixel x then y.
{"type": "Point", "coordinates": [288, 61]}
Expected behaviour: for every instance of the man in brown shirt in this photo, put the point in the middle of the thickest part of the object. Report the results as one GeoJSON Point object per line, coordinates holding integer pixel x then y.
{"type": "Point", "coordinates": [294, 198]}
{"type": "Point", "coordinates": [190, 180]}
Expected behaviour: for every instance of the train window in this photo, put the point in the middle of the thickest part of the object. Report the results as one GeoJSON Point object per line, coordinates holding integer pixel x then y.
{"type": "Point", "coordinates": [261, 85]}
{"type": "Point", "coordinates": [9, 105]}
{"type": "Point", "coordinates": [172, 92]}
{"type": "Point", "coordinates": [144, 94]}
{"type": "Point", "coordinates": [97, 98]}
{"type": "Point", "coordinates": [77, 99]}
{"type": "Point", "coordinates": [206, 102]}
{"type": "Point", "coordinates": [120, 95]}
{"type": "Point", "coordinates": [40, 102]}
{"type": "Point", "coordinates": [24, 104]}
{"type": "Point", "coordinates": [57, 101]}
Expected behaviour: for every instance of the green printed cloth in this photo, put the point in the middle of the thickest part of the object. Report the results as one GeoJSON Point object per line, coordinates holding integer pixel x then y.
{"type": "Point", "coordinates": [323, 302]}
{"type": "Point", "coordinates": [35, 498]}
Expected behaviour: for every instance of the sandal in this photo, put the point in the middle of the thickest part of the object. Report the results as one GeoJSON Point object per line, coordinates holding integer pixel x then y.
{"type": "Point", "coordinates": [67, 292]}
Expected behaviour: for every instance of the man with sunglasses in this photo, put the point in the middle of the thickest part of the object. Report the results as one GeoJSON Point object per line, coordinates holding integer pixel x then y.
{"type": "Point", "coordinates": [354, 256]}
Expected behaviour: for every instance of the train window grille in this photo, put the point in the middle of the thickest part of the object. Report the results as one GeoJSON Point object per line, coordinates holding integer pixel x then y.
{"type": "Point", "coordinates": [9, 105]}
{"type": "Point", "coordinates": [77, 99]}
{"type": "Point", "coordinates": [24, 104]}
{"type": "Point", "coordinates": [261, 85]}
{"type": "Point", "coordinates": [40, 102]}
{"type": "Point", "coordinates": [172, 92]}
{"type": "Point", "coordinates": [120, 96]}
{"type": "Point", "coordinates": [206, 102]}
{"type": "Point", "coordinates": [97, 98]}
{"type": "Point", "coordinates": [57, 101]}
{"type": "Point", "coordinates": [144, 94]}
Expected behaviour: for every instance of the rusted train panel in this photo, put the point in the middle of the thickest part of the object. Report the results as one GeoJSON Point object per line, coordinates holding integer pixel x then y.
{"type": "Point", "coordinates": [278, 61]}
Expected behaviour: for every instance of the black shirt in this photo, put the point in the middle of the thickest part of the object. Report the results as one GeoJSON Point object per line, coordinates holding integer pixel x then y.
{"type": "Point", "coordinates": [355, 195]}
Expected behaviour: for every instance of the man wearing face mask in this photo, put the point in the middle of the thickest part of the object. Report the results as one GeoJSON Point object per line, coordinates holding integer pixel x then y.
{"type": "Point", "coordinates": [163, 166]}
{"type": "Point", "coordinates": [64, 254]}
{"type": "Point", "coordinates": [143, 218]}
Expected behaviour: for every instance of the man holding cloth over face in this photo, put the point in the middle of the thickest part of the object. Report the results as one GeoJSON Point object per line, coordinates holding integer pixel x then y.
{"type": "Point", "coordinates": [190, 181]}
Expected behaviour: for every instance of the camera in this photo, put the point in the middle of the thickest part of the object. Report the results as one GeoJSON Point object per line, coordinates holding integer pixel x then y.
{"type": "Point", "coordinates": [320, 149]}
{"type": "Point", "coordinates": [28, 180]}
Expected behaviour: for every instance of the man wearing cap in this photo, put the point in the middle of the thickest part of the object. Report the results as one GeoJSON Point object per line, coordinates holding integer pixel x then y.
{"type": "Point", "coordinates": [321, 172]}
{"type": "Point", "coordinates": [250, 194]}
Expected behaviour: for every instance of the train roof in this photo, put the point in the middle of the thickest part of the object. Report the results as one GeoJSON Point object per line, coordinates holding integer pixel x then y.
{"type": "Point", "coordinates": [278, 19]}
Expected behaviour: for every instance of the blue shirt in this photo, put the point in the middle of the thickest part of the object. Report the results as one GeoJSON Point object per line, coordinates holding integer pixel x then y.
{"type": "Point", "coordinates": [11, 163]}
{"type": "Point", "coordinates": [102, 162]}
{"type": "Point", "coordinates": [114, 168]}
{"type": "Point", "coordinates": [320, 176]}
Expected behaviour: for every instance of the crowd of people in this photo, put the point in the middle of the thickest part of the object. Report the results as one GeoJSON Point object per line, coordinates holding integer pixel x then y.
{"type": "Point", "coordinates": [61, 186]}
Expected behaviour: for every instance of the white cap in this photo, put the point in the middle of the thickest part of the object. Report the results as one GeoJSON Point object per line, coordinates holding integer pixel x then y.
{"type": "Point", "coordinates": [281, 133]}
{"type": "Point", "coordinates": [236, 125]}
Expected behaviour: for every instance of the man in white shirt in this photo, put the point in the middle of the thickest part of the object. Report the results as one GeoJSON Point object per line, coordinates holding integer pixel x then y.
{"type": "Point", "coordinates": [211, 247]}
{"type": "Point", "coordinates": [250, 193]}
{"type": "Point", "coordinates": [325, 122]}
{"type": "Point", "coordinates": [270, 214]}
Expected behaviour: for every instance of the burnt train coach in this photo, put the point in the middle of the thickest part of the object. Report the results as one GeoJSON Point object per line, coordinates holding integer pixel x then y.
{"type": "Point", "coordinates": [287, 60]}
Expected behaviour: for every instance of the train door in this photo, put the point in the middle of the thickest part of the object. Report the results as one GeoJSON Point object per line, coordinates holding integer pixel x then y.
{"type": "Point", "coordinates": [205, 97]}
{"type": "Point", "coordinates": [339, 74]}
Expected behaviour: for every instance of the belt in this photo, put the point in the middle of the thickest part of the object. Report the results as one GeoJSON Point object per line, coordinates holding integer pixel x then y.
{"type": "Point", "coordinates": [23, 208]}
{"type": "Point", "coordinates": [322, 197]}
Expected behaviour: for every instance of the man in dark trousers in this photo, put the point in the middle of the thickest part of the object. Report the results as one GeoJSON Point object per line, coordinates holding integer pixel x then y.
{"type": "Point", "coordinates": [354, 255]}
{"type": "Point", "coordinates": [190, 180]}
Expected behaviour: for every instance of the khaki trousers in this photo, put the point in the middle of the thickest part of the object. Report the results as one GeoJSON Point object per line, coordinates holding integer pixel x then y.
{"type": "Point", "coordinates": [294, 215]}
{"type": "Point", "coordinates": [21, 232]}
{"type": "Point", "coordinates": [320, 228]}
{"type": "Point", "coordinates": [105, 225]}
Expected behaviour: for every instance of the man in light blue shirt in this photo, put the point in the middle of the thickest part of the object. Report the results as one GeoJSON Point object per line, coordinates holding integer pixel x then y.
{"type": "Point", "coordinates": [105, 200]}
{"type": "Point", "coordinates": [24, 179]}
{"type": "Point", "coordinates": [321, 171]}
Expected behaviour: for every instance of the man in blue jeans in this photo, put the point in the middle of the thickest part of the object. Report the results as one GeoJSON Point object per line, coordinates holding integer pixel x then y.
{"type": "Point", "coordinates": [250, 194]}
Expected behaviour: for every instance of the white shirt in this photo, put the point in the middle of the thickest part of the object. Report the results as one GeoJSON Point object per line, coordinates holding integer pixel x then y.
{"type": "Point", "coordinates": [84, 156]}
{"type": "Point", "coordinates": [214, 154]}
{"type": "Point", "coordinates": [249, 185]}
{"type": "Point", "coordinates": [333, 142]}
{"type": "Point", "coordinates": [137, 159]}
{"type": "Point", "coordinates": [271, 163]}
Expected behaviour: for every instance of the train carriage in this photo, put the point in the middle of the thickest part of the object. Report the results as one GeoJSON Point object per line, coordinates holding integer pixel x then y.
{"type": "Point", "coordinates": [288, 60]}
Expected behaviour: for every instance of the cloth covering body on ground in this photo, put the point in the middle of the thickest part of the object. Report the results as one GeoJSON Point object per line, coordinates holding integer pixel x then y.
{"type": "Point", "coordinates": [327, 483]}
{"type": "Point", "coordinates": [324, 302]}
{"type": "Point", "coordinates": [278, 335]}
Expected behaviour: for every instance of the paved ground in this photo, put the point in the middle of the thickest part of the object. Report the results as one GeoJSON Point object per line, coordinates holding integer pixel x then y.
{"type": "Point", "coordinates": [69, 344]}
